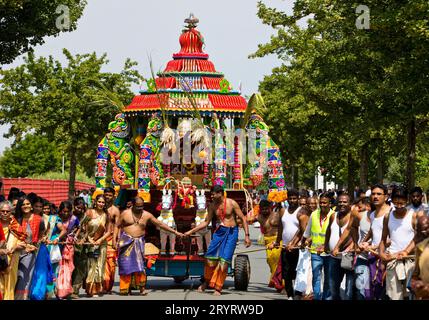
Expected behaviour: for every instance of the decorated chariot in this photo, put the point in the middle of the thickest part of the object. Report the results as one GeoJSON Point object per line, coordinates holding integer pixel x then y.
{"type": "Point", "coordinates": [186, 132]}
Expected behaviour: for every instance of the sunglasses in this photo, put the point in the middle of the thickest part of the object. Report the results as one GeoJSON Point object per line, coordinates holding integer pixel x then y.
{"type": "Point", "coordinates": [5, 211]}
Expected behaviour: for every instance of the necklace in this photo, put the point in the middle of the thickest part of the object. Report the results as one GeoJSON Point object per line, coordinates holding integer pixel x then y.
{"type": "Point", "coordinates": [222, 213]}
{"type": "Point", "coordinates": [136, 221]}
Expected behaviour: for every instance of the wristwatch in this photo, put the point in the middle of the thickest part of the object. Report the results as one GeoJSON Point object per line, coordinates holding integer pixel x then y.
{"type": "Point", "coordinates": [247, 235]}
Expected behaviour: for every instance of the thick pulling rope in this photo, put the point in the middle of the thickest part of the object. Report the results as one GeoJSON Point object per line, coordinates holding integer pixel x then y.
{"type": "Point", "coordinates": [248, 251]}
{"type": "Point", "coordinates": [80, 244]}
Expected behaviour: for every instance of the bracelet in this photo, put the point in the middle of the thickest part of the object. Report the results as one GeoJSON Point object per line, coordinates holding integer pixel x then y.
{"type": "Point", "coordinates": [247, 234]}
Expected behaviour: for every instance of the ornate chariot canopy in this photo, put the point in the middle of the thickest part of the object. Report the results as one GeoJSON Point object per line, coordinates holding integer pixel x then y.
{"type": "Point", "coordinates": [190, 70]}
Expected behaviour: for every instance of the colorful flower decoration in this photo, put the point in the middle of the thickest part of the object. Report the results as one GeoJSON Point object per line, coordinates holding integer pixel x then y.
{"type": "Point", "coordinates": [277, 196]}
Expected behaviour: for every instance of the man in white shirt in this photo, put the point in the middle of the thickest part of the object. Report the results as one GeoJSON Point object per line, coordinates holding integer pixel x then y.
{"type": "Point", "coordinates": [376, 267]}
{"type": "Point", "coordinates": [399, 225]}
{"type": "Point", "coordinates": [416, 199]}
{"type": "Point", "coordinates": [291, 225]}
{"type": "Point", "coordinates": [337, 224]}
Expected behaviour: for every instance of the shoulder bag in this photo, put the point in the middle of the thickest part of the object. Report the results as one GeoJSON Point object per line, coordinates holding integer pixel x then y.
{"type": "Point", "coordinates": [348, 259]}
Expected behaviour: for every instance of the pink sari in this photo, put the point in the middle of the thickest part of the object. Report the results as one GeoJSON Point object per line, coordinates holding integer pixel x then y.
{"type": "Point", "coordinates": [64, 280]}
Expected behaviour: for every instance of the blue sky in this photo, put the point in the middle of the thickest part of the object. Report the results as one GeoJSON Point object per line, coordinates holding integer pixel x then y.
{"type": "Point", "coordinates": [137, 28]}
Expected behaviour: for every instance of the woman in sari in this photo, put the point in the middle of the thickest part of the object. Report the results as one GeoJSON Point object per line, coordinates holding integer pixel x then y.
{"type": "Point", "coordinates": [98, 230]}
{"type": "Point", "coordinates": [70, 224]}
{"type": "Point", "coordinates": [14, 242]}
{"type": "Point", "coordinates": [33, 226]}
{"type": "Point", "coordinates": [80, 260]}
{"type": "Point", "coordinates": [55, 232]}
{"type": "Point", "coordinates": [70, 221]}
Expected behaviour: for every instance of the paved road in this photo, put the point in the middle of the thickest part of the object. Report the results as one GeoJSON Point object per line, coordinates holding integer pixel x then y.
{"type": "Point", "coordinates": [166, 289]}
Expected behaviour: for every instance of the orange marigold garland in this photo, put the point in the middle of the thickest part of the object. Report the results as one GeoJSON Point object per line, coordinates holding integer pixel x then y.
{"type": "Point", "coordinates": [277, 196]}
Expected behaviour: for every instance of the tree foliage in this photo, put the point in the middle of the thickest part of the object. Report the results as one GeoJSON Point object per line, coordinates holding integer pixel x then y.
{"type": "Point", "coordinates": [24, 23]}
{"type": "Point", "coordinates": [35, 154]}
{"type": "Point", "coordinates": [342, 90]}
{"type": "Point", "coordinates": [63, 102]}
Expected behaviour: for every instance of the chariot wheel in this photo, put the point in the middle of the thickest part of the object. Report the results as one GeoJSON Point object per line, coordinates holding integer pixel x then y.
{"type": "Point", "coordinates": [241, 272]}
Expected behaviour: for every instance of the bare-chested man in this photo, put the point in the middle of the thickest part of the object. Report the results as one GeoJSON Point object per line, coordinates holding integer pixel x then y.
{"type": "Point", "coordinates": [219, 253]}
{"type": "Point", "coordinates": [113, 216]}
{"type": "Point", "coordinates": [420, 279]}
{"type": "Point", "coordinates": [269, 221]}
{"type": "Point", "coordinates": [132, 223]}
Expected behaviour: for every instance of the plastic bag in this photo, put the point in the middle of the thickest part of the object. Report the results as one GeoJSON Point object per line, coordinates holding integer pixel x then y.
{"type": "Point", "coordinates": [55, 254]}
{"type": "Point", "coordinates": [303, 268]}
{"type": "Point", "coordinates": [348, 261]}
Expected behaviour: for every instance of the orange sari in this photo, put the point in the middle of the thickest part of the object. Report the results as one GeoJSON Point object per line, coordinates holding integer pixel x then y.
{"type": "Point", "coordinates": [109, 271]}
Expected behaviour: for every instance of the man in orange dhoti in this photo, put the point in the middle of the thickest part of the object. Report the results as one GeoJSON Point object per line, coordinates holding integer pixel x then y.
{"type": "Point", "coordinates": [114, 213]}
{"type": "Point", "coordinates": [221, 249]}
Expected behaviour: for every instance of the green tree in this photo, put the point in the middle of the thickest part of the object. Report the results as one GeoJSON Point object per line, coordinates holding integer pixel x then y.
{"type": "Point", "coordinates": [63, 102]}
{"type": "Point", "coordinates": [24, 23]}
{"type": "Point", "coordinates": [348, 87]}
{"type": "Point", "coordinates": [34, 154]}
{"type": "Point", "coordinates": [318, 103]}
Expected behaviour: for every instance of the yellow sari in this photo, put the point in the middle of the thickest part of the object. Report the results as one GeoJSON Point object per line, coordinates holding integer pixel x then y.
{"type": "Point", "coordinates": [9, 277]}
{"type": "Point", "coordinates": [96, 256]}
{"type": "Point", "coordinates": [273, 258]}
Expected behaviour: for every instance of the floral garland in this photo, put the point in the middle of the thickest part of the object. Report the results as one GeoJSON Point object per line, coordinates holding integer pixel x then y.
{"type": "Point", "coordinates": [277, 196]}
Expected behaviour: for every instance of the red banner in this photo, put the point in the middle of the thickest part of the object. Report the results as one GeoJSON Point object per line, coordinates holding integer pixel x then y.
{"type": "Point", "coordinates": [53, 190]}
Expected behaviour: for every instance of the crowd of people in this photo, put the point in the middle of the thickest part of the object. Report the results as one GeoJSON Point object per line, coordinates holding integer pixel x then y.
{"type": "Point", "coordinates": [375, 247]}
{"type": "Point", "coordinates": [51, 253]}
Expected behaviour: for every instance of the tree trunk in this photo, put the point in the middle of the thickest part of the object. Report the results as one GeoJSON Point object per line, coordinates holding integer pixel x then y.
{"type": "Point", "coordinates": [350, 174]}
{"type": "Point", "coordinates": [380, 163]}
{"type": "Point", "coordinates": [72, 177]}
{"type": "Point", "coordinates": [294, 175]}
{"type": "Point", "coordinates": [411, 155]}
{"type": "Point", "coordinates": [316, 178]}
{"type": "Point", "coordinates": [363, 173]}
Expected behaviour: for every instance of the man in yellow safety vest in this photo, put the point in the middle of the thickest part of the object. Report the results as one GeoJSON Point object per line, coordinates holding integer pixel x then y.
{"type": "Point", "coordinates": [314, 236]}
